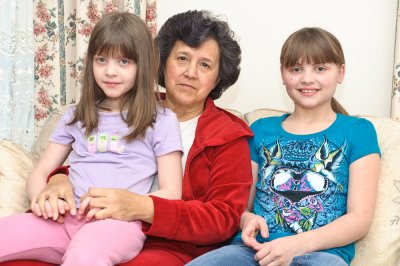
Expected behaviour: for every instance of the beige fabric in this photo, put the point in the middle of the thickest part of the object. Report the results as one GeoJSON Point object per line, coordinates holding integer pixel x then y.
{"type": "Point", "coordinates": [15, 166]}
{"type": "Point", "coordinates": [381, 246]}
{"type": "Point", "coordinates": [43, 139]}
{"type": "Point", "coordinates": [250, 117]}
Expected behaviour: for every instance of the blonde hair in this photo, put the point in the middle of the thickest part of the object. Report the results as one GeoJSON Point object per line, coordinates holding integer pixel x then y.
{"type": "Point", "coordinates": [122, 34]}
{"type": "Point", "coordinates": [313, 45]}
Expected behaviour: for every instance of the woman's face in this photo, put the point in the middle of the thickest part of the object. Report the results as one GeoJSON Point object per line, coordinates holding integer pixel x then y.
{"type": "Point", "coordinates": [190, 75]}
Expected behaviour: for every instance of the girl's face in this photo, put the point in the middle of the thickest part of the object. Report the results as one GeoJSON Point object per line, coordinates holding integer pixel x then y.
{"type": "Point", "coordinates": [115, 76]}
{"type": "Point", "coordinates": [190, 74]}
{"type": "Point", "coordinates": [312, 85]}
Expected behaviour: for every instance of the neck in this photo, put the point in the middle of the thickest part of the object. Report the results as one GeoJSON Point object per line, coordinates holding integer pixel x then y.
{"type": "Point", "coordinates": [111, 106]}
{"type": "Point", "coordinates": [319, 114]}
{"type": "Point", "coordinates": [305, 121]}
{"type": "Point", "coordinates": [183, 113]}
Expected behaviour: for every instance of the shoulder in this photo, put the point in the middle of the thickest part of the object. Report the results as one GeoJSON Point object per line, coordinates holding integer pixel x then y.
{"type": "Point", "coordinates": [266, 123]}
{"type": "Point", "coordinates": [358, 124]}
{"type": "Point", "coordinates": [165, 114]}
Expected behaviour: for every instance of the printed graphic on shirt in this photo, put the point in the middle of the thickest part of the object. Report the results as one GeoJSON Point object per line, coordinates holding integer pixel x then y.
{"type": "Point", "coordinates": [105, 143]}
{"type": "Point", "coordinates": [300, 178]}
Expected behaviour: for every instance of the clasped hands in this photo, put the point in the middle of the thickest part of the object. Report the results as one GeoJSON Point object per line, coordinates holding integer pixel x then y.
{"type": "Point", "coordinates": [56, 201]}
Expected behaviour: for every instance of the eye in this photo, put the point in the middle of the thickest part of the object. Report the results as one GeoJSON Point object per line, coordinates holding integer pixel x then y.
{"type": "Point", "coordinates": [204, 65]}
{"type": "Point", "coordinates": [124, 61]}
{"type": "Point", "coordinates": [100, 59]}
{"type": "Point", "coordinates": [182, 58]}
{"type": "Point", "coordinates": [321, 68]}
{"type": "Point", "coordinates": [295, 69]}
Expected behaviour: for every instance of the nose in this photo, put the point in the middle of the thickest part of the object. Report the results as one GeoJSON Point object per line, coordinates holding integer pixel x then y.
{"type": "Point", "coordinates": [111, 69]}
{"type": "Point", "coordinates": [307, 76]}
{"type": "Point", "coordinates": [191, 71]}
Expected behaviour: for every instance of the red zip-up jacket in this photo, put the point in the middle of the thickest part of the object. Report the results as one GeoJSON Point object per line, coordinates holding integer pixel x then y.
{"type": "Point", "coordinates": [216, 187]}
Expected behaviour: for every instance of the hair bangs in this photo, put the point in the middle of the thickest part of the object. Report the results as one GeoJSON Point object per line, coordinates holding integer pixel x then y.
{"type": "Point", "coordinates": [116, 44]}
{"type": "Point", "coordinates": [311, 46]}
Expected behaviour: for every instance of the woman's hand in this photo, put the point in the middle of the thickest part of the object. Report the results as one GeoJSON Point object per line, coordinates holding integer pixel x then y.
{"type": "Point", "coordinates": [252, 224]}
{"type": "Point", "coordinates": [55, 199]}
{"type": "Point", "coordinates": [279, 252]}
{"type": "Point", "coordinates": [118, 204]}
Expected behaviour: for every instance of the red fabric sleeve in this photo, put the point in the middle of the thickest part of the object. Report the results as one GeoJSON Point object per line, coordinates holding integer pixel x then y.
{"type": "Point", "coordinates": [59, 170]}
{"type": "Point", "coordinates": [215, 216]}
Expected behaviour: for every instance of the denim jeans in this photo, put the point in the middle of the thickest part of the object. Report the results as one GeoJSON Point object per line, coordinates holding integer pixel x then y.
{"type": "Point", "coordinates": [241, 255]}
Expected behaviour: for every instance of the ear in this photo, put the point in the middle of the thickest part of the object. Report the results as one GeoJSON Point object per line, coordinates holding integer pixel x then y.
{"type": "Point", "coordinates": [342, 71]}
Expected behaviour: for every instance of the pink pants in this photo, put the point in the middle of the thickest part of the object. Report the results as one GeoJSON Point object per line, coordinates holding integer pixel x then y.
{"type": "Point", "coordinates": [76, 242]}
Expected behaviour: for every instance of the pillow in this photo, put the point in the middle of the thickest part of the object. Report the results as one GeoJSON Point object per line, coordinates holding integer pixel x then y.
{"type": "Point", "coordinates": [252, 116]}
{"type": "Point", "coordinates": [381, 246]}
{"type": "Point", "coordinates": [15, 166]}
{"type": "Point", "coordinates": [47, 129]}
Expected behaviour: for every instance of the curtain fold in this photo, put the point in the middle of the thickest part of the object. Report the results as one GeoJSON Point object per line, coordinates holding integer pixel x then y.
{"type": "Point", "coordinates": [395, 108]}
{"type": "Point", "coordinates": [61, 32]}
{"type": "Point", "coordinates": [16, 72]}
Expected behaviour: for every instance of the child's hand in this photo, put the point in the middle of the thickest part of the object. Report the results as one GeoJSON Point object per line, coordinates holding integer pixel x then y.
{"type": "Point", "coordinates": [84, 209]}
{"type": "Point", "coordinates": [251, 225]}
{"type": "Point", "coordinates": [46, 210]}
{"type": "Point", "coordinates": [280, 251]}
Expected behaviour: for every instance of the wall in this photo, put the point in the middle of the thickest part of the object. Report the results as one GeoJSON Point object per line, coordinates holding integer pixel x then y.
{"type": "Point", "coordinates": [366, 29]}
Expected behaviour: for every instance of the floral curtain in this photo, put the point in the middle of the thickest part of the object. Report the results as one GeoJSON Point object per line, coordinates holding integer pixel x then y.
{"type": "Point", "coordinates": [16, 72]}
{"type": "Point", "coordinates": [395, 110]}
{"type": "Point", "coordinates": [61, 32]}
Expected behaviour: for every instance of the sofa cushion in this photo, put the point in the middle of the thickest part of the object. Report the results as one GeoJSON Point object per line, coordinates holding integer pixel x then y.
{"type": "Point", "coordinates": [381, 246]}
{"type": "Point", "coordinates": [15, 166]}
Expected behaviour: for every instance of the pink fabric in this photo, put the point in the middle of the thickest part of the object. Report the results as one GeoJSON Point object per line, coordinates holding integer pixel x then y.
{"type": "Point", "coordinates": [104, 242]}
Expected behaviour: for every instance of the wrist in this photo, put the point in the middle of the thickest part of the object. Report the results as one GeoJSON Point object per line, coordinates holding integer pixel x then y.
{"type": "Point", "coordinates": [59, 170]}
{"type": "Point", "coordinates": [147, 213]}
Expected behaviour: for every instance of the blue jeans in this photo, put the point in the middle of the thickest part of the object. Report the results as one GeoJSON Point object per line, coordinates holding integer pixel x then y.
{"type": "Point", "coordinates": [241, 255]}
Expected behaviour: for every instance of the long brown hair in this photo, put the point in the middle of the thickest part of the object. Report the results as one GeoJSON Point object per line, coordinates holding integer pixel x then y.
{"type": "Point", "coordinates": [313, 45]}
{"type": "Point", "coordinates": [121, 33]}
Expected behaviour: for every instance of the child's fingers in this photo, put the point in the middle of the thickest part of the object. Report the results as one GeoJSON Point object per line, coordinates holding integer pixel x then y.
{"type": "Point", "coordinates": [62, 206]}
{"type": "Point", "coordinates": [90, 215]}
{"type": "Point", "coordinates": [84, 204]}
{"type": "Point", "coordinates": [41, 203]}
{"type": "Point", "coordinates": [36, 209]}
{"type": "Point", "coordinates": [53, 202]}
{"type": "Point", "coordinates": [49, 211]}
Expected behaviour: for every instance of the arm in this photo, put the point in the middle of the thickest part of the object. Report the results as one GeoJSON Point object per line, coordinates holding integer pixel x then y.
{"type": "Point", "coordinates": [251, 223]}
{"type": "Point", "coordinates": [352, 226]}
{"type": "Point", "coordinates": [54, 155]}
{"type": "Point", "coordinates": [169, 176]}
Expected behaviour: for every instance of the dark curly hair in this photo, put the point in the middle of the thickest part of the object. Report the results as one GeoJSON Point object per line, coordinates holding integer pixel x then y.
{"type": "Point", "coordinates": [193, 28]}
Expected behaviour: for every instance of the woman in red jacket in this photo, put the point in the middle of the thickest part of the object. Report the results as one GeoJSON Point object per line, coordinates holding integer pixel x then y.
{"type": "Point", "coordinates": [199, 60]}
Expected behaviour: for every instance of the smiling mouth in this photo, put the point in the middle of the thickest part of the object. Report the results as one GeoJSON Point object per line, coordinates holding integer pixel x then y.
{"type": "Point", "coordinates": [308, 91]}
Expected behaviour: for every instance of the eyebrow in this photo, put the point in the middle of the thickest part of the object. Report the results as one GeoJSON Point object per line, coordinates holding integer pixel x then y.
{"type": "Point", "coordinates": [201, 58]}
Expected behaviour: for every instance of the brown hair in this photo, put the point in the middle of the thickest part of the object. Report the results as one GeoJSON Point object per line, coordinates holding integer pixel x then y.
{"type": "Point", "coordinates": [313, 45]}
{"type": "Point", "coordinates": [122, 33]}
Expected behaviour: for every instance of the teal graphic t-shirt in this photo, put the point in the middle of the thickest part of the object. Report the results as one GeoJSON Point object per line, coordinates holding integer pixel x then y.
{"type": "Point", "coordinates": [303, 179]}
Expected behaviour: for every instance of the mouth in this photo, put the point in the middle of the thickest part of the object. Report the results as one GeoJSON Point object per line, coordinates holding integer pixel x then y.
{"type": "Point", "coordinates": [184, 85]}
{"type": "Point", "coordinates": [308, 91]}
{"type": "Point", "coordinates": [111, 84]}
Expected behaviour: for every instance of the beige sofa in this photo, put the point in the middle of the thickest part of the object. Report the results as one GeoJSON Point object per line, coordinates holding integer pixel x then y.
{"type": "Point", "coordinates": [381, 246]}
